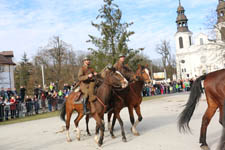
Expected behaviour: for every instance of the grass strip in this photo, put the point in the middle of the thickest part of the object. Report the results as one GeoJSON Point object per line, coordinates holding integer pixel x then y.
{"type": "Point", "coordinates": [30, 118]}
{"type": "Point", "coordinates": [56, 113]}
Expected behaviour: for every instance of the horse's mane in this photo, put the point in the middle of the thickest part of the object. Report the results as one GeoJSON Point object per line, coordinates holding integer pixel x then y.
{"type": "Point", "coordinates": [127, 69]}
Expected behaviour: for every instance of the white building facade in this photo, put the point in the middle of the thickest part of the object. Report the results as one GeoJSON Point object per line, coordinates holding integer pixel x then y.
{"type": "Point", "coordinates": [7, 67]}
{"type": "Point", "coordinates": [198, 55]}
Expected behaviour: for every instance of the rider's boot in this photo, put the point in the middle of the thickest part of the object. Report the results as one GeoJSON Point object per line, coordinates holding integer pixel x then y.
{"type": "Point", "coordinates": [86, 111]}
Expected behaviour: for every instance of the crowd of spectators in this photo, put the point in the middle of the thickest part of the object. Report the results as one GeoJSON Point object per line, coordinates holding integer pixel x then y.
{"type": "Point", "coordinates": [160, 88]}
{"type": "Point", "coordinates": [15, 104]}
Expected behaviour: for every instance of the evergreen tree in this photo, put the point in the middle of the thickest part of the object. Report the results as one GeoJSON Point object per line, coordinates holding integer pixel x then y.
{"type": "Point", "coordinates": [114, 37]}
{"type": "Point", "coordinates": [23, 72]}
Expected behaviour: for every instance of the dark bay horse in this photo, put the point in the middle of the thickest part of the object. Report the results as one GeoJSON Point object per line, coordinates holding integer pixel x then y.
{"type": "Point", "coordinates": [111, 78]}
{"type": "Point", "coordinates": [214, 84]}
{"type": "Point", "coordinates": [131, 98]}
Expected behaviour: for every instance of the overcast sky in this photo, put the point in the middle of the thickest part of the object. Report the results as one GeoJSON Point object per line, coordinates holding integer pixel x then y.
{"type": "Point", "coordinates": [26, 25]}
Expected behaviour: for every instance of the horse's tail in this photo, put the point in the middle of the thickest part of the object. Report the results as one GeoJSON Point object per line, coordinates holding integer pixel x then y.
{"type": "Point", "coordinates": [185, 116]}
{"type": "Point", "coordinates": [63, 112]}
{"type": "Point", "coordinates": [222, 139]}
{"type": "Point", "coordinates": [223, 118]}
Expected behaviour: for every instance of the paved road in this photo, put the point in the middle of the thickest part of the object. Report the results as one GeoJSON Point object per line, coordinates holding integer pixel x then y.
{"type": "Point", "coordinates": [158, 131]}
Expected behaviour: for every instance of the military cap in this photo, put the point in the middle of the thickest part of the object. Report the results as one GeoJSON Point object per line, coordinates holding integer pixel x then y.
{"type": "Point", "coordinates": [86, 58]}
{"type": "Point", "coordinates": [122, 55]}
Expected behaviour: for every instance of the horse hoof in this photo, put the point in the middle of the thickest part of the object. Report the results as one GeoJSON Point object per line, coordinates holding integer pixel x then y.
{"type": "Point", "coordinates": [137, 134]}
{"type": "Point", "coordinates": [124, 140]}
{"type": "Point", "coordinates": [99, 143]}
{"type": "Point", "coordinates": [205, 147]}
{"type": "Point", "coordinates": [113, 136]}
{"type": "Point", "coordinates": [69, 140]}
{"type": "Point", "coordinates": [134, 132]}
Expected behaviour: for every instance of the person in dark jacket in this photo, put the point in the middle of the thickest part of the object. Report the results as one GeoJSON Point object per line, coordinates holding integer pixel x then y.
{"type": "Point", "coordinates": [2, 104]}
{"type": "Point", "coordinates": [36, 104]}
{"type": "Point", "coordinates": [18, 106]}
{"type": "Point", "coordinates": [22, 93]}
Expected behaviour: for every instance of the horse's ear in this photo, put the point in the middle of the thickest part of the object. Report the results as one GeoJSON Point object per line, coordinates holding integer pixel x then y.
{"type": "Point", "coordinates": [146, 65]}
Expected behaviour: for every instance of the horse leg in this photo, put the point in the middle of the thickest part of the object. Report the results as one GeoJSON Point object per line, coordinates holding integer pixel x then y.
{"type": "Point", "coordinates": [68, 116]}
{"type": "Point", "coordinates": [87, 127]}
{"type": "Point", "coordinates": [138, 112]}
{"type": "Point", "coordinates": [112, 127]}
{"type": "Point", "coordinates": [76, 122]}
{"type": "Point", "coordinates": [205, 122]}
{"type": "Point", "coordinates": [133, 129]}
{"type": "Point", "coordinates": [109, 120]}
{"type": "Point", "coordinates": [101, 126]}
{"type": "Point", "coordinates": [121, 125]}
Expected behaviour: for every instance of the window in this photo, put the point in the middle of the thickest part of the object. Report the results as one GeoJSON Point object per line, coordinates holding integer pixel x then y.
{"type": "Point", "coordinates": [190, 40]}
{"type": "Point", "coordinates": [201, 41]}
{"type": "Point", "coordinates": [181, 42]}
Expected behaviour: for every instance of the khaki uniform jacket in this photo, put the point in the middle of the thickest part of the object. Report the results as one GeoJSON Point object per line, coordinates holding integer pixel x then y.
{"type": "Point", "coordinates": [83, 73]}
{"type": "Point", "coordinates": [119, 66]}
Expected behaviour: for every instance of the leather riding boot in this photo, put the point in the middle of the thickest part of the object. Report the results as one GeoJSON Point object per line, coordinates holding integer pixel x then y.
{"type": "Point", "coordinates": [86, 111]}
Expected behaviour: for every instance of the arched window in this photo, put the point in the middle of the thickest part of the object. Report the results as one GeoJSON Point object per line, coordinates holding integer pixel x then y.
{"type": "Point", "coordinates": [190, 40]}
{"type": "Point", "coordinates": [201, 41]}
{"type": "Point", "coordinates": [181, 42]}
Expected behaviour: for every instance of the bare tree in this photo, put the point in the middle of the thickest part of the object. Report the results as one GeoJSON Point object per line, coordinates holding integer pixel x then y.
{"type": "Point", "coordinates": [164, 50]}
{"type": "Point", "coordinates": [59, 61]}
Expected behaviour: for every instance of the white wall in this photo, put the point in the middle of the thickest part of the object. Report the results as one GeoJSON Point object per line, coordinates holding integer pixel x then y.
{"type": "Point", "coordinates": [7, 77]}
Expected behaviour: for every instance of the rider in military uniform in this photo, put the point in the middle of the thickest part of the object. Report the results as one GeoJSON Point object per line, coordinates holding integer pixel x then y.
{"type": "Point", "coordinates": [85, 76]}
{"type": "Point", "coordinates": [120, 65]}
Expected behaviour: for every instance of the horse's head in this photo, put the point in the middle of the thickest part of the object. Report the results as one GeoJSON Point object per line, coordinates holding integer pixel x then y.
{"type": "Point", "coordinates": [128, 73]}
{"type": "Point", "coordinates": [144, 74]}
{"type": "Point", "coordinates": [115, 78]}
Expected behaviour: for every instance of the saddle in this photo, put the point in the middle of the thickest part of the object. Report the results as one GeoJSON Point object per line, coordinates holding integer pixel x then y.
{"type": "Point", "coordinates": [77, 94]}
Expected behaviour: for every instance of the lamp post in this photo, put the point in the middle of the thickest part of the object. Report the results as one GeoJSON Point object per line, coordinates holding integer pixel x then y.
{"type": "Point", "coordinates": [43, 76]}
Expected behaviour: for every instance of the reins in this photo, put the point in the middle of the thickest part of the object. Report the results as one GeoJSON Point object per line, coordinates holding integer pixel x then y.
{"type": "Point", "coordinates": [101, 102]}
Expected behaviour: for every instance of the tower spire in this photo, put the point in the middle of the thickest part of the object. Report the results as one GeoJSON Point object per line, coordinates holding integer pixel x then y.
{"type": "Point", "coordinates": [182, 21]}
{"type": "Point", "coordinates": [221, 11]}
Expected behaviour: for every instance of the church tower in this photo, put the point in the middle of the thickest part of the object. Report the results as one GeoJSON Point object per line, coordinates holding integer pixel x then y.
{"type": "Point", "coordinates": [220, 27]}
{"type": "Point", "coordinates": [183, 37]}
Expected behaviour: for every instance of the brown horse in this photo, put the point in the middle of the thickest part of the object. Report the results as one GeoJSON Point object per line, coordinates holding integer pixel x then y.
{"type": "Point", "coordinates": [131, 98]}
{"type": "Point", "coordinates": [112, 79]}
{"type": "Point", "coordinates": [214, 84]}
